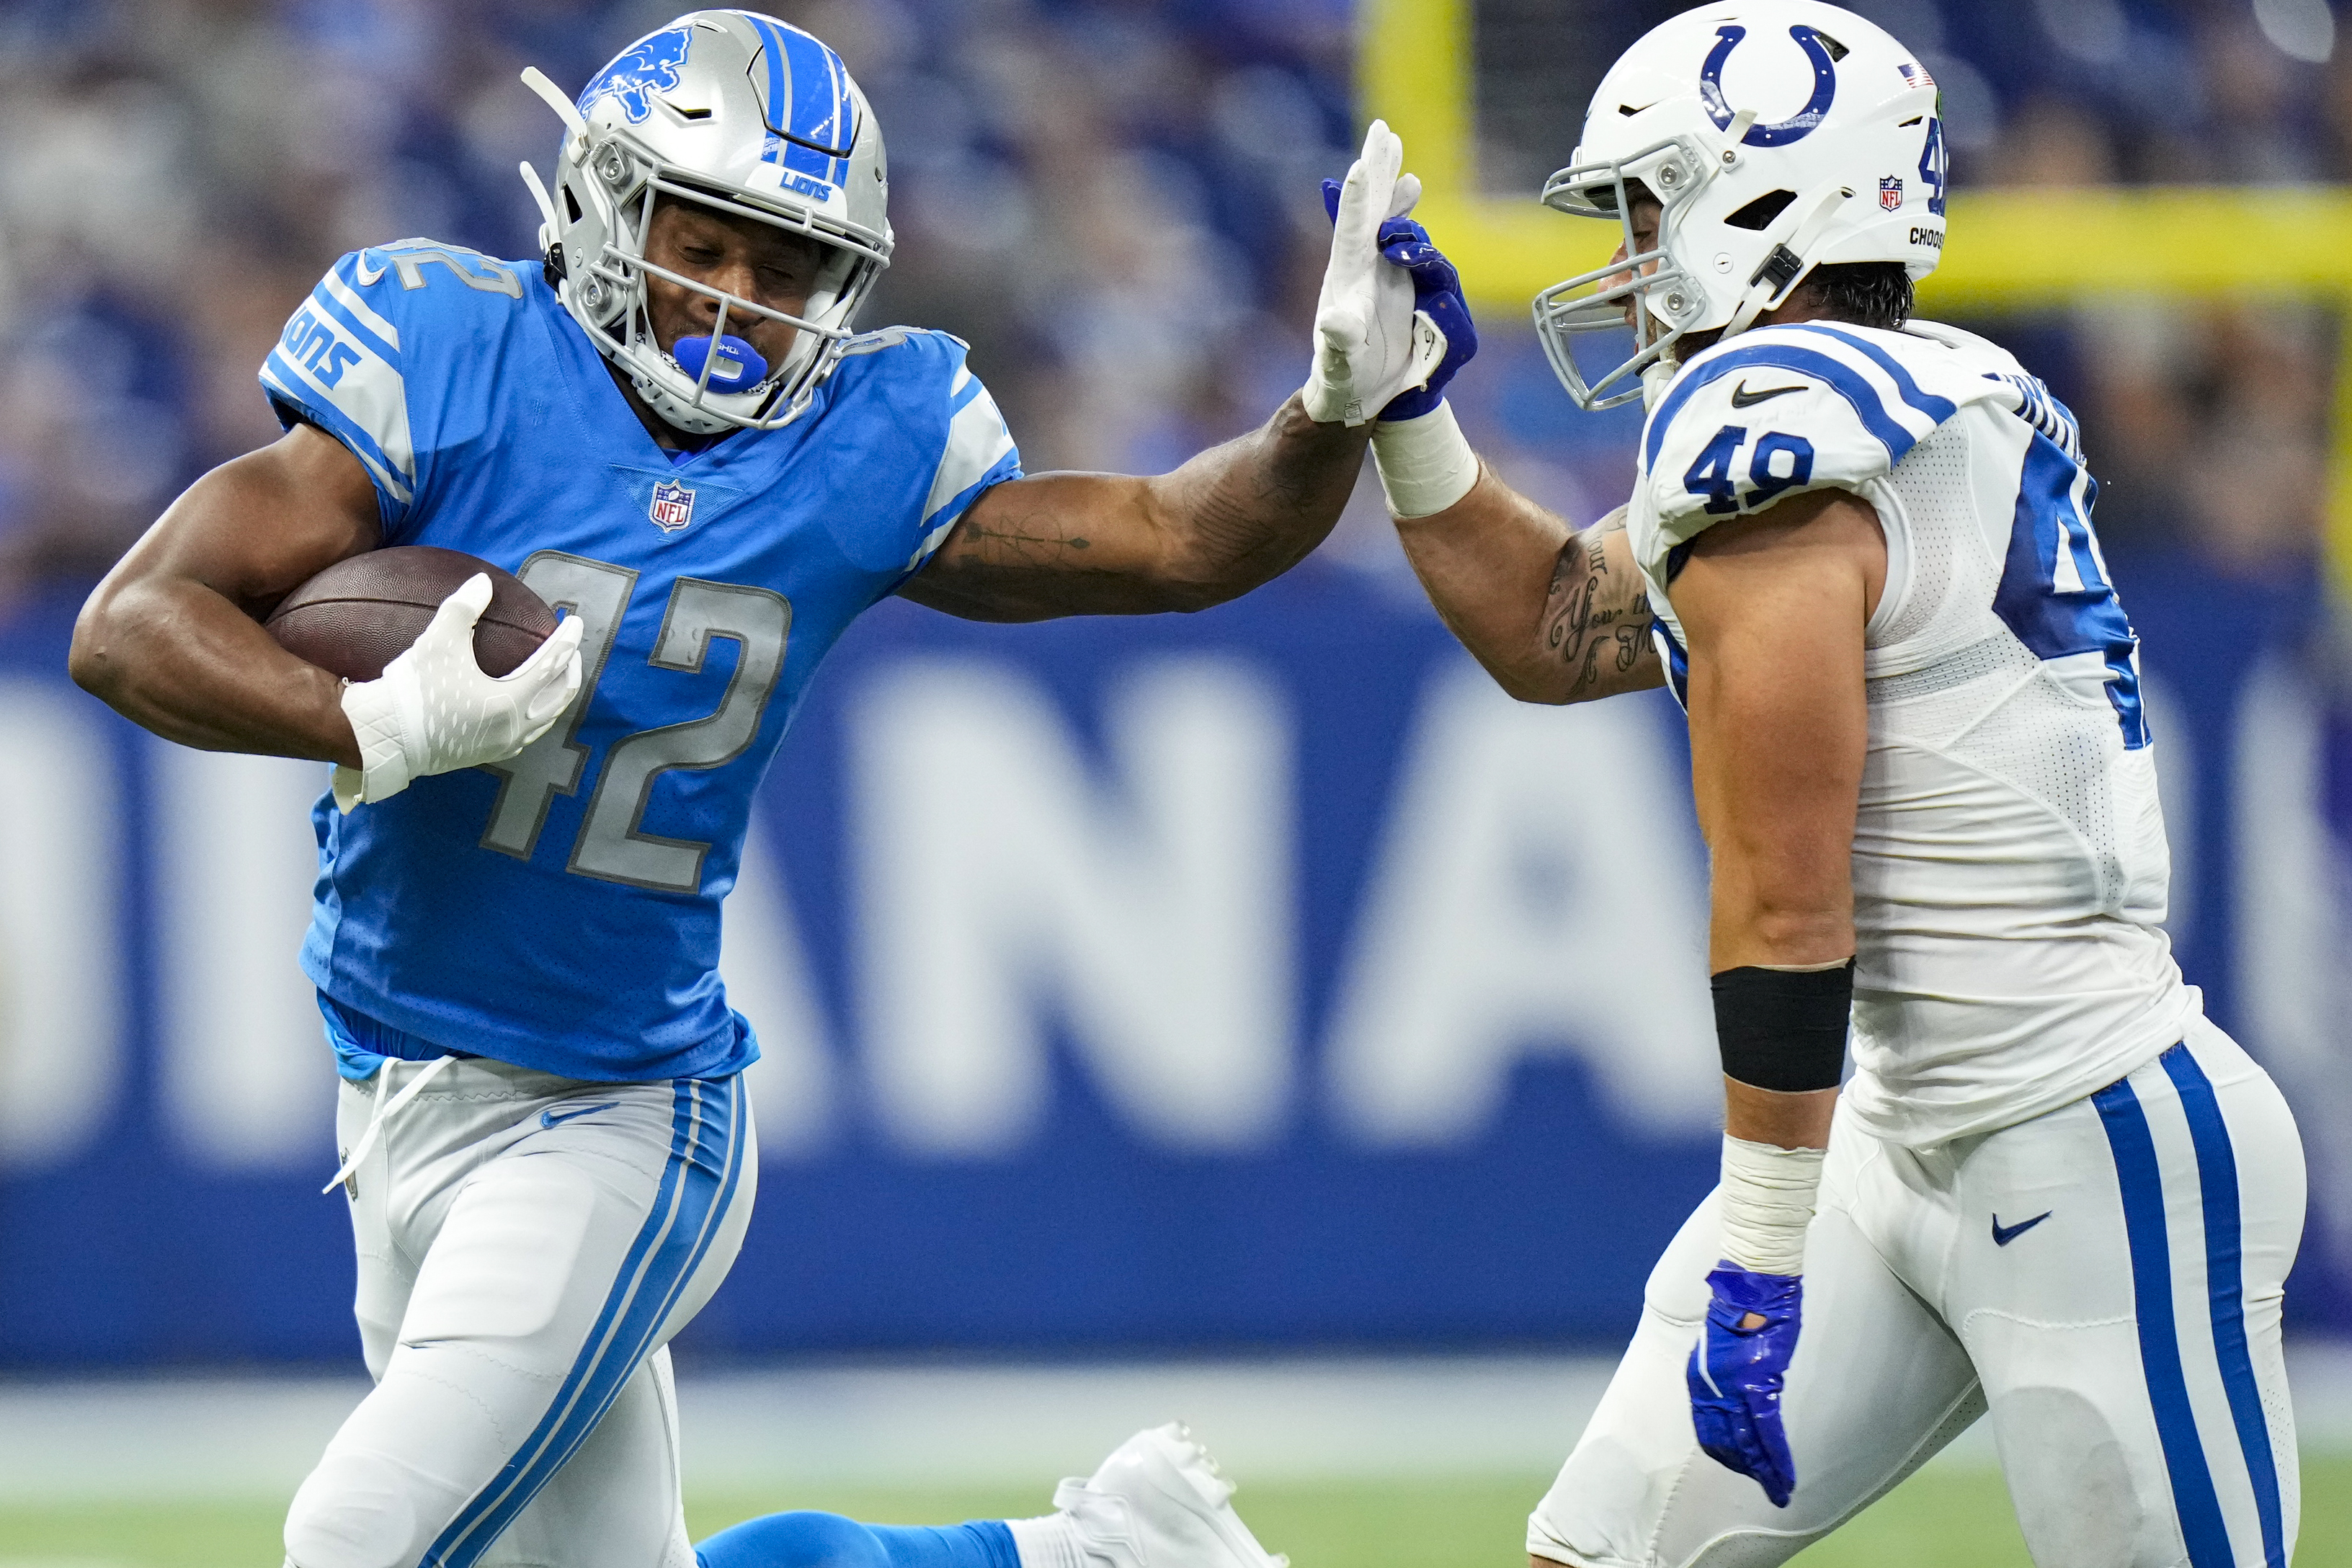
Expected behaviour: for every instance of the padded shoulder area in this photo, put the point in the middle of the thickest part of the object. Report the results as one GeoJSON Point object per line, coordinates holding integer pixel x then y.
{"type": "Point", "coordinates": [904, 398]}
{"type": "Point", "coordinates": [903, 360]}
{"type": "Point", "coordinates": [367, 355]}
{"type": "Point", "coordinates": [424, 285]}
{"type": "Point", "coordinates": [1785, 409]}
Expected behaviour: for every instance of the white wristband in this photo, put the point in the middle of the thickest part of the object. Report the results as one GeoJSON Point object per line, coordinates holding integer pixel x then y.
{"type": "Point", "coordinates": [378, 723]}
{"type": "Point", "coordinates": [1767, 1201]}
{"type": "Point", "coordinates": [1425, 463]}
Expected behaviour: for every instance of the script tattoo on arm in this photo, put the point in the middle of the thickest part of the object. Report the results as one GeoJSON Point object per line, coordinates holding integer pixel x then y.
{"type": "Point", "coordinates": [1596, 616]}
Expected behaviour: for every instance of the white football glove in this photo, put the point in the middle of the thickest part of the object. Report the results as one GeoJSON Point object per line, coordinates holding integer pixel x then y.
{"type": "Point", "coordinates": [1369, 343]}
{"type": "Point", "coordinates": [433, 711]}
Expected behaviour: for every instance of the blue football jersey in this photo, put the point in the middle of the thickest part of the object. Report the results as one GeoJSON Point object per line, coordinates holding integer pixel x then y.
{"type": "Point", "coordinates": [560, 911]}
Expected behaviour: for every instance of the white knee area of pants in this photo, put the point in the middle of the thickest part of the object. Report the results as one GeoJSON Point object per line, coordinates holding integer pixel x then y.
{"type": "Point", "coordinates": [2090, 1504]}
{"type": "Point", "coordinates": [360, 1509]}
{"type": "Point", "coordinates": [399, 1470]}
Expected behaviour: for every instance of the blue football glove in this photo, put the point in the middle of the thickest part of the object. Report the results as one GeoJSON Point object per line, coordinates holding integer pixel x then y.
{"type": "Point", "coordinates": [1436, 290]}
{"type": "Point", "coordinates": [1736, 1376]}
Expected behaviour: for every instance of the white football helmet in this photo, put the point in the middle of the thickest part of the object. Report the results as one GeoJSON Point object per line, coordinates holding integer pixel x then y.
{"type": "Point", "coordinates": [748, 117]}
{"type": "Point", "coordinates": [1779, 136]}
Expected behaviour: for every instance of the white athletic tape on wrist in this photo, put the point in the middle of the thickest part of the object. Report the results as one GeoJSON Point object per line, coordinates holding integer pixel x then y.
{"type": "Point", "coordinates": [378, 723]}
{"type": "Point", "coordinates": [1767, 1201]}
{"type": "Point", "coordinates": [1426, 464]}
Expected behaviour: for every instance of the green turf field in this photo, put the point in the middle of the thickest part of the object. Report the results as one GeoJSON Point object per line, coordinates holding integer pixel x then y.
{"type": "Point", "coordinates": [1945, 1518]}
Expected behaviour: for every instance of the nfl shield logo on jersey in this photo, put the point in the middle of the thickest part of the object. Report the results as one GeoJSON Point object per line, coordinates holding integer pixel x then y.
{"type": "Point", "coordinates": [673, 507]}
{"type": "Point", "coordinates": [1890, 190]}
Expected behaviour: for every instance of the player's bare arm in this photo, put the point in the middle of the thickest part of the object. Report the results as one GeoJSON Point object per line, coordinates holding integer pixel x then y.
{"type": "Point", "coordinates": [1076, 544]}
{"type": "Point", "coordinates": [1554, 615]}
{"type": "Point", "coordinates": [172, 638]}
{"type": "Point", "coordinates": [1773, 607]}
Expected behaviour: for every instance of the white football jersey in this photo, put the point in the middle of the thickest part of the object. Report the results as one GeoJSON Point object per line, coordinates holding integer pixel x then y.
{"type": "Point", "coordinates": [2009, 863]}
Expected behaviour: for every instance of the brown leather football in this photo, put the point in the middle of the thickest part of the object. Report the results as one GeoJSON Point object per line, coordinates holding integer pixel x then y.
{"type": "Point", "coordinates": [360, 614]}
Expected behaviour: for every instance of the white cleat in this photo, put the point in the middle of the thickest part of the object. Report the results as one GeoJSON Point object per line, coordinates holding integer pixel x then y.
{"type": "Point", "coordinates": [1159, 1501]}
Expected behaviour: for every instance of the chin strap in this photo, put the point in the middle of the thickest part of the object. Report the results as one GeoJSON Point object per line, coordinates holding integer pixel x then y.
{"type": "Point", "coordinates": [1657, 377]}
{"type": "Point", "coordinates": [675, 412]}
{"type": "Point", "coordinates": [1785, 263]}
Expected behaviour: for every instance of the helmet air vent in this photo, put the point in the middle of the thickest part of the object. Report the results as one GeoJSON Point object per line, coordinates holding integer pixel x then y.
{"type": "Point", "coordinates": [1759, 213]}
{"type": "Point", "coordinates": [1837, 51]}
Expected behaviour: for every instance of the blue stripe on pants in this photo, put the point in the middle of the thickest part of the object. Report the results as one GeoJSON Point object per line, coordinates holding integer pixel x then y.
{"type": "Point", "coordinates": [2142, 1181]}
{"type": "Point", "coordinates": [2225, 1280]}
{"type": "Point", "coordinates": [697, 1186]}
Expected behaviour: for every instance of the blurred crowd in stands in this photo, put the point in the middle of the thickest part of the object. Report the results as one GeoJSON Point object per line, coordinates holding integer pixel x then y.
{"type": "Point", "coordinates": [1113, 200]}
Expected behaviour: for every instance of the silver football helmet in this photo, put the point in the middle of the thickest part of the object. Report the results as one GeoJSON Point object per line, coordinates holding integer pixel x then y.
{"type": "Point", "coordinates": [745, 116]}
{"type": "Point", "coordinates": [1778, 136]}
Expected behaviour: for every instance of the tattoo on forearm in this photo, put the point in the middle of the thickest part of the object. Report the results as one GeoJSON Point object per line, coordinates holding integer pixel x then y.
{"type": "Point", "coordinates": [1592, 622]}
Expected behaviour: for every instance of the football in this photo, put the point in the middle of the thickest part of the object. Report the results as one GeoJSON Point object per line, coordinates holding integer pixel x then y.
{"type": "Point", "coordinates": [360, 614]}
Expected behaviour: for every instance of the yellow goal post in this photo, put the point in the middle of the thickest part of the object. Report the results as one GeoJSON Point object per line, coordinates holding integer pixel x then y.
{"type": "Point", "coordinates": [2008, 250]}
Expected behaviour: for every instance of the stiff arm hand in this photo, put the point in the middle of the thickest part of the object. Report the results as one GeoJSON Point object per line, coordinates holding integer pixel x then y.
{"type": "Point", "coordinates": [1436, 294]}
{"type": "Point", "coordinates": [434, 711]}
{"type": "Point", "coordinates": [1370, 344]}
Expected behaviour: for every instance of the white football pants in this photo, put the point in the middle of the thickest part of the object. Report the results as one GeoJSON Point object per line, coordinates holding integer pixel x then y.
{"type": "Point", "coordinates": [2106, 1277]}
{"type": "Point", "coordinates": [527, 1246]}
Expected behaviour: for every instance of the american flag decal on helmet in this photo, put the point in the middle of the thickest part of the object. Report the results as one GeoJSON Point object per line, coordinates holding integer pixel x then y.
{"type": "Point", "coordinates": [1890, 190]}
{"type": "Point", "coordinates": [673, 507]}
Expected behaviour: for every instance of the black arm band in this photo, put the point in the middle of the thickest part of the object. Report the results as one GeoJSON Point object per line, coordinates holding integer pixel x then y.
{"type": "Point", "coordinates": [1784, 1031]}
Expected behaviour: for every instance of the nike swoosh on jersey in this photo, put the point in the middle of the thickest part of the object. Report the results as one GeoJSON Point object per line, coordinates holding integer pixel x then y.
{"type": "Point", "coordinates": [549, 1118]}
{"type": "Point", "coordinates": [1743, 399]}
{"type": "Point", "coordinates": [2002, 1235]}
{"type": "Point", "coordinates": [361, 270]}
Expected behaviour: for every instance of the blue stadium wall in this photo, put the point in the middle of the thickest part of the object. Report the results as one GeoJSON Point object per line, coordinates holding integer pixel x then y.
{"type": "Point", "coordinates": [1254, 980]}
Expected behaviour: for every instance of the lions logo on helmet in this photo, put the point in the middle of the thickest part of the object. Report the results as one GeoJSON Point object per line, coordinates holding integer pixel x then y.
{"type": "Point", "coordinates": [1759, 129]}
{"type": "Point", "coordinates": [747, 117]}
{"type": "Point", "coordinates": [648, 66]}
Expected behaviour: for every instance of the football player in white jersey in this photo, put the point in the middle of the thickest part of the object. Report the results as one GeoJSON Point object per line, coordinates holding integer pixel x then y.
{"type": "Point", "coordinates": [1860, 550]}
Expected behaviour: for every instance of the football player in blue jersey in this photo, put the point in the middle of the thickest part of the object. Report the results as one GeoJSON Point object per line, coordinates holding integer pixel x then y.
{"type": "Point", "coordinates": [1860, 551]}
{"type": "Point", "coordinates": [669, 427]}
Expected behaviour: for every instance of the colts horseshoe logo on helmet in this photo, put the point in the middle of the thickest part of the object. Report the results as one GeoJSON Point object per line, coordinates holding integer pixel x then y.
{"type": "Point", "coordinates": [1798, 126]}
